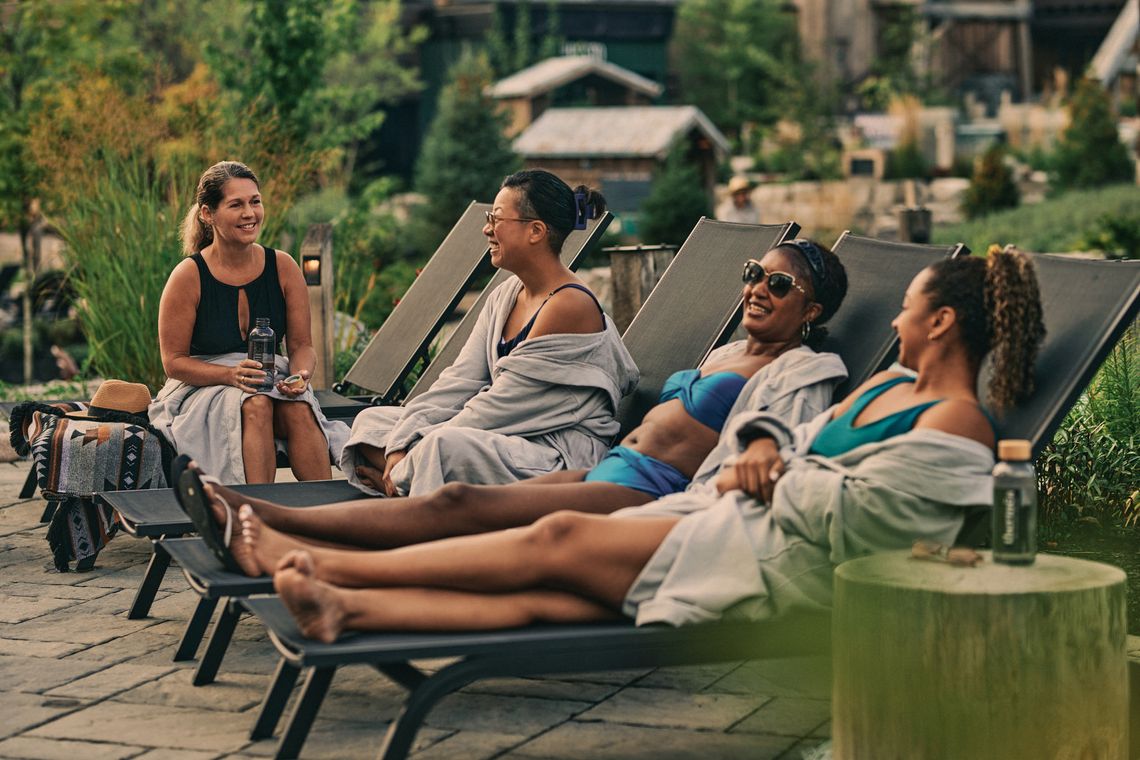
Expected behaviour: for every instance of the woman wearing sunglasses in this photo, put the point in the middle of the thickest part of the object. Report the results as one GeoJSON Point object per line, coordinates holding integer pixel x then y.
{"type": "Point", "coordinates": [787, 295]}
{"type": "Point", "coordinates": [538, 382]}
{"type": "Point", "coordinates": [898, 460]}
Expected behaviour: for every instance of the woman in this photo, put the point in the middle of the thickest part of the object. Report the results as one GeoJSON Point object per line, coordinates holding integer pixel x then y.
{"type": "Point", "coordinates": [213, 406]}
{"type": "Point", "coordinates": [790, 293]}
{"type": "Point", "coordinates": [899, 459]}
{"type": "Point", "coordinates": [504, 411]}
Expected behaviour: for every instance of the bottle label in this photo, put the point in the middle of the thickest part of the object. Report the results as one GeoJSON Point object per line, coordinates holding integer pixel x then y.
{"type": "Point", "coordinates": [1010, 503]}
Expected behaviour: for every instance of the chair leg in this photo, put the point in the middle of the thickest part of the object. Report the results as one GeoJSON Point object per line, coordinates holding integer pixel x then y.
{"type": "Point", "coordinates": [29, 488]}
{"type": "Point", "coordinates": [305, 712]}
{"type": "Point", "coordinates": [275, 699]}
{"type": "Point", "coordinates": [423, 697]}
{"type": "Point", "coordinates": [155, 570]}
{"type": "Point", "coordinates": [219, 642]}
{"type": "Point", "coordinates": [195, 630]}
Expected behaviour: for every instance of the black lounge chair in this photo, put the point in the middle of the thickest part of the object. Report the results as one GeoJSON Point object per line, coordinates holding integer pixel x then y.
{"type": "Point", "coordinates": [1088, 305]}
{"type": "Point", "coordinates": [709, 263]}
{"type": "Point", "coordinates": [860, 334]}
{"type": "Point", "coordinates": [155, 514]}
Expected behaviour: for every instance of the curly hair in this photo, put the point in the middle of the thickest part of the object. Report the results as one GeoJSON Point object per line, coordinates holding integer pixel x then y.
{"type": "Point", "coordinates": [998, 307]}
{"type": "Point", "coordinates": [830, 290]}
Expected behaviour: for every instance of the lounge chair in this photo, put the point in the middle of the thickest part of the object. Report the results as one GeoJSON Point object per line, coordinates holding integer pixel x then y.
{"type": "Point", "coordinates": [1088, 305]}
{"type": "Point", "coordinates": [877, 272]}
{"type": "Point", "coordinates": [709, 263]}
{"type": "Point", "coordinates": [383, 366]}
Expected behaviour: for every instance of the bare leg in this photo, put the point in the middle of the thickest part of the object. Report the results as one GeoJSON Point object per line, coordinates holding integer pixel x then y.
{"type": "Point", "coordinates": [597, 557]}
{"type": "Point", "coordinates": [257, 451]}
{"type": "Point", "coordinates": [457, 509]}
{"type": "Point", "coordinates": [308, 450]}
{"type": "Point", "coordinates": [323, 611]}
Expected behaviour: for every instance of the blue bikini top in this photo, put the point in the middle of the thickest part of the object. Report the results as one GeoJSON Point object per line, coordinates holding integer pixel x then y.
{"type": "Point", "coordinates": [840, 435]}
{"type": "Point", "coordinates": [707, 399]}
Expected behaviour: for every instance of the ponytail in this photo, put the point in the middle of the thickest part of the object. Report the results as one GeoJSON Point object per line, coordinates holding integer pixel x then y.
{"type": "Point", "coordinates": [194, 233]}
{"type": "Point", "coordinates": [1013, 303]}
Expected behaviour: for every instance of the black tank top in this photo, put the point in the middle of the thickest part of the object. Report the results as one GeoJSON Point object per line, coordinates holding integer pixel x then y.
{"type": "Point", "coordinates": [216, 328]}
{"type": "Point", "coordinates": [506, 346]}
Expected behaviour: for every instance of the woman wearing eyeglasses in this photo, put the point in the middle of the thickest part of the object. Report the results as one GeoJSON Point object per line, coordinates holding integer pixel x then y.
{"type": "Point", "coordinates": [788, 294]}
{"type": "Point", "coordinates": [536, 386]}
{"type": "Point", "coordinates": [901, 458]}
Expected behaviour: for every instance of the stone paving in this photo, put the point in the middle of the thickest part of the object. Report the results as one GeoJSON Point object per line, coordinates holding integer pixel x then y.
{"type": "Point", "coordinates": [78, 679]}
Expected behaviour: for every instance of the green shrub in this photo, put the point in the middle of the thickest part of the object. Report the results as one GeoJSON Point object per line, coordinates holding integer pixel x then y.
{"type": "Point", "coordinates": [1090, 470]}
{"type": "Point", "coordinates": [1116, 235]}
{"type": "Point", "coordinates": [677, 200]}
{"type": "Point", "coordinates": [906, 162]}
{"type": "Point", "coordinates": [1090, 153]}
{"type": "Point", "coordinates": [991, 187]}
{"type": "Point", "coordinates": [1056, 224]}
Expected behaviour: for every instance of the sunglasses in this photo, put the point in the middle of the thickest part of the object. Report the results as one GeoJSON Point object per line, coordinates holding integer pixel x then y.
{"type": "Point", "coordinates": [779, 283]}
{"type": "Point", "coordinates": [494, 220]}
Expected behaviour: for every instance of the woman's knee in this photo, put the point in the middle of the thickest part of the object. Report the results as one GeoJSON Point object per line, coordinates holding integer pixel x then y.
{"type": "Point", "coordinates": [292, 416]}
{"type": "Point", "coordinates": [257, 411]}
{"type": "Point", "coordinates": [555, 532]}
{"type": "Point", "coordinates": [450, 500]}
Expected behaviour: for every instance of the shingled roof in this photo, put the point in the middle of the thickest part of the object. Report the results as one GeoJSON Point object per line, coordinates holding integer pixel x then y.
{"type": "Point", "coordinates": [614, 132]}
{"type": "Point", "coordinates": [552, 73]}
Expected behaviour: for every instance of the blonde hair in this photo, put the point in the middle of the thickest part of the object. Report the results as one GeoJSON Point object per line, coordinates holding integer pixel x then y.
{"type": "Point", "coordinates": [195, 234]}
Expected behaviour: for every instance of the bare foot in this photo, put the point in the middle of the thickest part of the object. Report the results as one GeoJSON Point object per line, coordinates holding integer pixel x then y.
{"type": "Point", "coordinates": [263, 545]}
{"type": "Point", "coordinates": [315, 604]}
{"type": "Point", "coordinates": [371, 476]}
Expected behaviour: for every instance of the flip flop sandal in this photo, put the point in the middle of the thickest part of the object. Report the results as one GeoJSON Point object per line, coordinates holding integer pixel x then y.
{"type": "Point", "coordinates": [194, 502]}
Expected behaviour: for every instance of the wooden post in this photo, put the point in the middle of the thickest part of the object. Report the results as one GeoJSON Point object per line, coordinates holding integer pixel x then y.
{"type": "Point", "coordinates": [634, 272]}
{"type": "Point", "coordinates": [933, 660]}
{"type": "Point", "coordinates": [317, 266]}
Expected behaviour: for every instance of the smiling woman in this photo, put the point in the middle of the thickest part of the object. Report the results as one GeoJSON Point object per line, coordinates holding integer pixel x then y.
{"type": "Point", "coordinates": [217, 404]}
{"type": "Point", "coordinates": [537, 385]}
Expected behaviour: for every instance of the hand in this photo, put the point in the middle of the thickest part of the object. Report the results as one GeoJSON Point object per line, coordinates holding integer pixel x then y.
{"type": "Point", "coordinates": [247, 375]}
{"type": "Point", "coordinates": [294, 390]}
{"type": "Point", "coordinates": [390, 462]}
{"type": "Point", "coordinates": [755, 472]}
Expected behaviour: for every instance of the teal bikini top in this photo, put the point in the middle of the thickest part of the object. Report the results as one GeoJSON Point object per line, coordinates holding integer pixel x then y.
{"type": "Point", "coordinates": [709, 399]}
{"type": "Point", "coordinates": [840, 435]}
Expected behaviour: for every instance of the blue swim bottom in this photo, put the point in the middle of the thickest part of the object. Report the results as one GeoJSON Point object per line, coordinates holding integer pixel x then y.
{"type": "Point", "coordinates": [632, 469]}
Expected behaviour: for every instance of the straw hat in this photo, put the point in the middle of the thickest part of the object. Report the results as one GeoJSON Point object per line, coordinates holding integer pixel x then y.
{"type": "Point", "coordinates": [117, 396]}
{"type": "Point", "coordinates": [739, 183]}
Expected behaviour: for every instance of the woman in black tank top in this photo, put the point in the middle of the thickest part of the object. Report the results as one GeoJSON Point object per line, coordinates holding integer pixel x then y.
{"type": "Point", "coordinates": [210, 304]}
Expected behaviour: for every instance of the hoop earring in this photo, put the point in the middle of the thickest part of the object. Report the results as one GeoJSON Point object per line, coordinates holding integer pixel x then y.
{"type": "Point", "coordinates": [805, 331]}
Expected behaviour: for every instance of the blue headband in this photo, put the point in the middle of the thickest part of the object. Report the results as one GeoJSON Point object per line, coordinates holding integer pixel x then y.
{"type": "Point", "coordinates": [814, 256]}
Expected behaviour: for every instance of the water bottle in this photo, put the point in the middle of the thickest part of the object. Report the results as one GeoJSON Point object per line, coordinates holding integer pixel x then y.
{"type": "Point", "coordinates": [262, 349]}
{"type": "Point", "coordinates": [1015, 504]}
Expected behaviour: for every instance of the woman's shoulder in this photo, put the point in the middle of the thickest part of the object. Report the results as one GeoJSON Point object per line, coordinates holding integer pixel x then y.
{"type": "Point", "coordinates": [569, 310]}
{"type": "Point", "coordinates": [959, 416]}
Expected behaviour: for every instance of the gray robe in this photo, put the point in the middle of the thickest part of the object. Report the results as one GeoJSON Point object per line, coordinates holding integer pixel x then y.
{"type": "Point", "coordinates": [548, 405]}
{"type": "Point", "coordinates": [204, 422]}
{"type": "Point", "coordinates": [733, 557]}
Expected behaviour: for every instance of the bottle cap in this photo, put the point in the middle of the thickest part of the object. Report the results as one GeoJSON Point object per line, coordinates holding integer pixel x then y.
{"type": "Point", "coordinates": [1015, 450]}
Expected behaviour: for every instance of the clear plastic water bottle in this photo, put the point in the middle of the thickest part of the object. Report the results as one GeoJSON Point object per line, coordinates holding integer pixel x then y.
{"type": "Point", "coordinates": [262, 349]}
{"type": "Point", "coordinates": [1015, 504]}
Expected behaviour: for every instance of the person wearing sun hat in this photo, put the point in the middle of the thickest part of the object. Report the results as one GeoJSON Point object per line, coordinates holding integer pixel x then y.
{"type": "Point", "coordinates": [738, 206]}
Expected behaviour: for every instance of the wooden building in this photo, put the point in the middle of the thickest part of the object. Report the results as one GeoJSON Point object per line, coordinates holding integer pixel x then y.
{"type": "Point", "coordinates": [619, 149]}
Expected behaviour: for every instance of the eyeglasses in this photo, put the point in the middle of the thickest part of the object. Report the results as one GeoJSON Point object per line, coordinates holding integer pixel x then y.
{"type": "Point", "coordinates": [494, 220]}
{"type": "Point", "coordinates": [779, 283]}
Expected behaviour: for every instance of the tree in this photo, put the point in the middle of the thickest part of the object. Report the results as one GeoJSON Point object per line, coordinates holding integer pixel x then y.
{"type": "Point", "coordinates": [1090, 152]}
{"type": "Point", "coordinates": [733, 57]}
{"type": "Point", "coordinates": [676, 201]}
{"type": "Point", "coordinates": [514, 52]}
{"type": "Point", "coordinates": [992, 186]}
{"type": "Point", "coordinates": [465, 154]}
